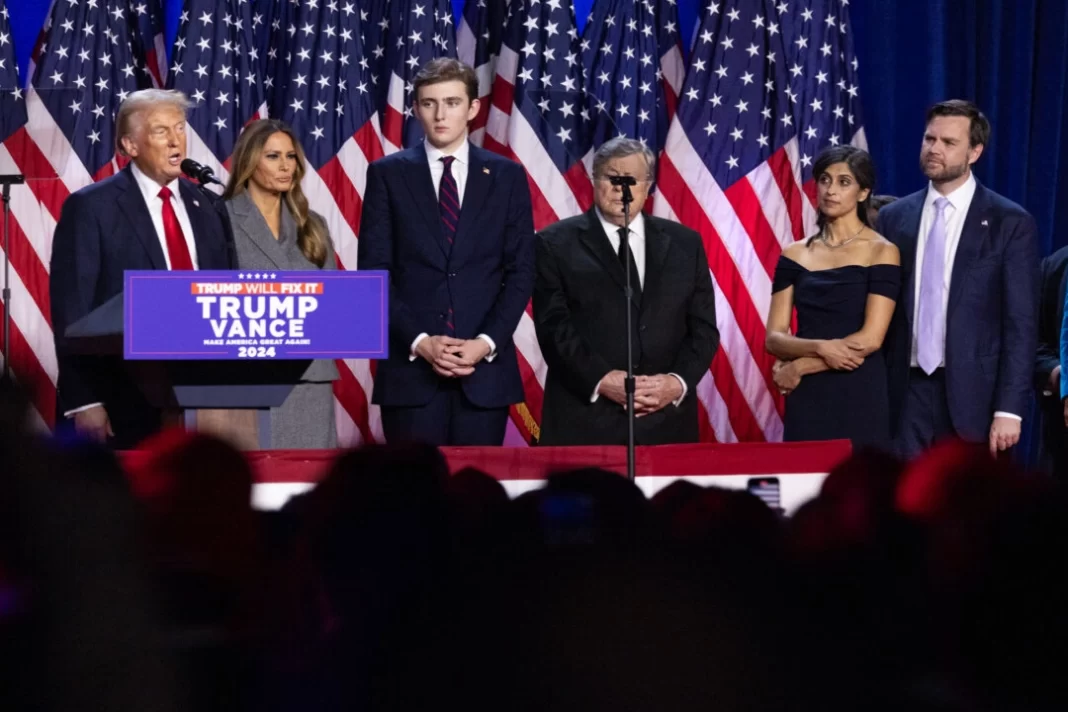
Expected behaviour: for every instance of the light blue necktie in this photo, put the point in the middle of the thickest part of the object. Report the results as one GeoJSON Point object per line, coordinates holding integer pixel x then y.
{"type": "Point", "coordinates": [932, 327]}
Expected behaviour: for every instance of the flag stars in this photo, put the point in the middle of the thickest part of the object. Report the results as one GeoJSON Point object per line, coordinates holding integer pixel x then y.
{"type": "Point", "coordinates": [747, 78]}
{"type": "Point", "coordinates": [811, 132]}
{"type": "Point", "coordinates": [731, 162]}
{"type": "Point", "coordinates": [806, 15]}
{"type": "Point", "coordinates": [318, 132]}
{"type": "Point", "coordinates": [710, 129]}
{"type": "Point", "coordinates": [736, 134]}
{"type": "Point", "coordinates": [753, 50]}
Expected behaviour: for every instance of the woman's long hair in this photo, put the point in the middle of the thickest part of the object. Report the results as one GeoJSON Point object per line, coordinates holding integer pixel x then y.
{"type": "Point", "coordinates": [860, 165]}
{"type": "Point", "coordinates": [312, 235]}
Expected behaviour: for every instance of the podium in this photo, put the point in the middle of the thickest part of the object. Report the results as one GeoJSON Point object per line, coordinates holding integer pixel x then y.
{"type": "Point", "coordinates": [181, 368]}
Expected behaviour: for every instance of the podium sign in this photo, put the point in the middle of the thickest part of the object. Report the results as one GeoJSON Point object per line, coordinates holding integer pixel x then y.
{"type": "Point", "coordinates": [213, 315]}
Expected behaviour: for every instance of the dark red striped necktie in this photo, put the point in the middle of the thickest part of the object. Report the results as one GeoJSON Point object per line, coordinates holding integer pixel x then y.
{"type": "Point", "coordinates": [448, 201]}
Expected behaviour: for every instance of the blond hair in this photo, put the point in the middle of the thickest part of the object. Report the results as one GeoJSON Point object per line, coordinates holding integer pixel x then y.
{"type": "Point", "coordinates": [312, 236]}
{"type": "Point", "coordinates": [136, 103]}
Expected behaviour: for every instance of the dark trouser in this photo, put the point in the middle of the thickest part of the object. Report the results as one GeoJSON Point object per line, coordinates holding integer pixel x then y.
{"type": "Point", "coordinates": [1054, 436]}
{"type": "Point", "coordinates": [448, 419]}
{"type": "Point", "coordinates": [925, 418]}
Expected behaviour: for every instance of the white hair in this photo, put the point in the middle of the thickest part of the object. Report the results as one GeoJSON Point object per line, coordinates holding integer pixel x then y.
{"type": "Point", "coordinates": [621, 147]}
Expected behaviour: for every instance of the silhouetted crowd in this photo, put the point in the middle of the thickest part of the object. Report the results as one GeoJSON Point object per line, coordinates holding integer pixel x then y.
{"type": "Point", "coordinates": [395, 586]}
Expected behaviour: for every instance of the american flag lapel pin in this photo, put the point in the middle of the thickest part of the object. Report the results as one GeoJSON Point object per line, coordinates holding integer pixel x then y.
{"type": "Point", "coordinates": [485, 170]}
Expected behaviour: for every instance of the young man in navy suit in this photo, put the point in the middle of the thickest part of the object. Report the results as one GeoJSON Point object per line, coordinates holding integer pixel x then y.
{"type": "Point", "coordinates": [141, 218]}
{"type": "Point", "coordinates": [452, 224]}
{"type": "Point", "coordinates": [961, 348]}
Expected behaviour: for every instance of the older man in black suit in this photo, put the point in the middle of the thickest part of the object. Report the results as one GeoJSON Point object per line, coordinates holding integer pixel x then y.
{"type": "Point", "coordinates": [141, 218]}
{"type": "Point", "coordinates": [580, 315]}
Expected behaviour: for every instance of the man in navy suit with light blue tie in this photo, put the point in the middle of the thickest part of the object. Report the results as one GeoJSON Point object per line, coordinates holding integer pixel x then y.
{"type": "Point", "coordinates": [452, 224]}
{"type": "Point", "coordinates": [141, 218]}
{"type": "Point", "coordinates": [961, 349]}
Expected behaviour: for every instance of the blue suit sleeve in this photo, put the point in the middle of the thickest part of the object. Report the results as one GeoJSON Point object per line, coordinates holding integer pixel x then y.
{"type": "Point", "coordinates": [375, 251]}
{"type": "Point", "coordinates": [518, 280]}
{"type": "Point", "coordinates": [1020, 283]}
{"type": "Point", "coordinates": [74, 271]}
{"type": "Point", "coordinates": [1064, 350]}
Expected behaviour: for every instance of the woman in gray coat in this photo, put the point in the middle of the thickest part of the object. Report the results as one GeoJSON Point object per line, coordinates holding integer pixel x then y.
{"type": "Point", "coordinates": [275, 230]}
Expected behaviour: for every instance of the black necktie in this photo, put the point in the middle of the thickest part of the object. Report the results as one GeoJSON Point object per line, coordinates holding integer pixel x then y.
{"type": "Point", "coordinates": [635, 281]}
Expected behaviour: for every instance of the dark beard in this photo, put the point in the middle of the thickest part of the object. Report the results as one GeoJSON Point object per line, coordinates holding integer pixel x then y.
{"type": "Point", "coordinates": [946, 173]}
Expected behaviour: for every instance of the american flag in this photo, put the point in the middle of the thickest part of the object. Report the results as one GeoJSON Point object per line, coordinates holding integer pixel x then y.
{"type": "Point", "coordinates": [374, 24]}
{"type": "Point", "coordinates": [539, 119]}
{"type": "Point", "coordinates": [478, 43]}
{"type": "Point", "coordinates": [327, 96]}
{"type": "Point", "coordinates": [216, 63]}
{"type": "Point", "coordinates": [33, 359]}
{"type": "Point", "coordinates": [418, 31]}
{"type": "Point", "coordinates": [769, 85]}
{"type": "Point", "coordinates": [90, 55]}
{"type": "Point", "coordinates": [632, 58]}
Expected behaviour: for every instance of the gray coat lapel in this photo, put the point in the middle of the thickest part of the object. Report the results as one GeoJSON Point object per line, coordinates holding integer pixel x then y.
{"type": "Point", "coordinates": [257, 247]}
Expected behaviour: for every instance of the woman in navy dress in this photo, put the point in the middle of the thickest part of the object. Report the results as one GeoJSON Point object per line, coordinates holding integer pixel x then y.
{"type": "Point", "coordinates": [844, 283]}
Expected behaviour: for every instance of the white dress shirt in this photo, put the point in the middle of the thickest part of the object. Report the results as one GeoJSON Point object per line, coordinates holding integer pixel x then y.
{"type": "Point", "coordinates": [956, 212]}
{"type": "Point", "coordinates": [459, 175]}
{"type": "Point", "coordinates": [459, 167]}
{"type": "Point", "coordinates": [636, 240]}
{"type": "Point", "coordinates": [150, 191]}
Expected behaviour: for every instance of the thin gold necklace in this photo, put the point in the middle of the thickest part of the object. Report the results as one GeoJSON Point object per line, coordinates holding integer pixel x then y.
{"type": "Point", "coordinates": [843, 243]}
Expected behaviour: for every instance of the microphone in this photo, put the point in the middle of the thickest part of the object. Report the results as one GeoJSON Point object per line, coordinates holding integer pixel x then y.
{"type": "Point", "coordinates": [614, 180]}
{"type": "Point", "coordinates": [203, 174]}
{"type": "Point", "coordinates": [12, 179]}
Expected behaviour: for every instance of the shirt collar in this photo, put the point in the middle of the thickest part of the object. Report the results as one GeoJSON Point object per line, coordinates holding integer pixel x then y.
{"type": "Point", "coordinates": [959, 198]}
{"type": "Point", "coordinates": [150, 188]}
{"type": "Point", "coordinates": [637, 225]}
{"type": "Point", "coordinates": [433, 153]}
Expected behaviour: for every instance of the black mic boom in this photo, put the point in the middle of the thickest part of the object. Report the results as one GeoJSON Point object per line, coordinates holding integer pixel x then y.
{"type": "Point", "coordinates": [202, 173]}
{"type": "Point", "coordinates": [614, 180]}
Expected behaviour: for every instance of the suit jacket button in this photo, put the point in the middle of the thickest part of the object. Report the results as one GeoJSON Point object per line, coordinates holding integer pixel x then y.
{"type": "Point", "coordinates": [643, 327]}
{"type": "Point", "coordinates": [452, 274]}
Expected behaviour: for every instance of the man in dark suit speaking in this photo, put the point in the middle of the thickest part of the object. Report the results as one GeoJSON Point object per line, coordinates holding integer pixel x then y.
{"type": "Point", "coordinates": [452, 224]}
{"type": "Point", "coordinates": [580, 315]}
{"type": "Point", "coordinates": [141, 218]}
{"type": "Point", "coordinates": [961, 347]}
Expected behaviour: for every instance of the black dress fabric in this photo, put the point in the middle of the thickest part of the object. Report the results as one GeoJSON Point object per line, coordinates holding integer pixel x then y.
{"type": "Point", "coordinates": [830, 304]}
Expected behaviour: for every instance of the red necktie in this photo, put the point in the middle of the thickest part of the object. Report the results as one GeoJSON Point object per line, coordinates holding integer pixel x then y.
{"type": "Point", "coordinates": [177, 250]}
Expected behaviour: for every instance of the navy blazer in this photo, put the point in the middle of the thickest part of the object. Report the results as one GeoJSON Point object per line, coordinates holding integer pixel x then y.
{"type": "Point", "coordinates": [105, 229]}
{"type": "Point", "coordinates": [488, 275]}
{"type": "Point", "coordinates": [991, 318]}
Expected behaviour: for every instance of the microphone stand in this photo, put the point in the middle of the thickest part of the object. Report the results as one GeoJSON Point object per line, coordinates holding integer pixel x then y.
{"type": "Point", "coordinates": [7, 181]}
{"type": "Point", "coordinates": [628, 293]}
